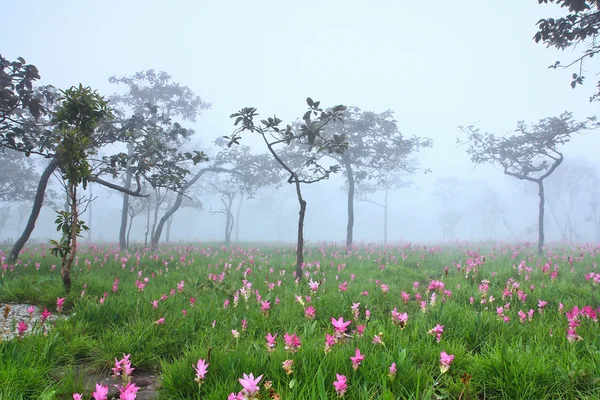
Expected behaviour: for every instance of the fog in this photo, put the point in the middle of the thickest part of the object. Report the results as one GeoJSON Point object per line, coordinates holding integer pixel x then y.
{"type": "Point", "coordinates": [437, 67]}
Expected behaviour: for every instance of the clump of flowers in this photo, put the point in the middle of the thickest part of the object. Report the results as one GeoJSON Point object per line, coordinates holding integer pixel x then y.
{"type": "Point", "coordinates": [123, 368]}
{"type": "Point", "coordinates": [292, 342]}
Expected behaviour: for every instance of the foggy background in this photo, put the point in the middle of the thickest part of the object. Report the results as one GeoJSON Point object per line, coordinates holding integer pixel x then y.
{"type": "Point", "coordinates": [437, 66]}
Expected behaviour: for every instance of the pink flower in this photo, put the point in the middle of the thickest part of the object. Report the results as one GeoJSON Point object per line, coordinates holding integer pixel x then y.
{"type": "Point", "coordinates": [250, 384]}
{"type": "Point", "coordinates": [329, 342]}
{"type": "Point", "coordinates": [201, 370]}
{"type": "Point", "coordinates": [339, 324]}
{"type": "Point", "coordinates": [77, 396]}
{"type": "Point", "coordinates": [271, 341]}
{"type": "Point", "coordinates": [398, 318]}
{"type": "Point", "coordinates": [340, 385]}
{"type": "Point", "coordinates": [233, 396]}
{"type": "Point", "coordinates": [160, 321]}
{"type": "Point", "coordinates": [45, 314]}
{"type": "Point", "coordinates": [21, 327]}
{"type": "Point", "coordinates": [445, 361]}
{"type": "Point", "coordinates": [30, 310]}
{"type": "Point", "coordinates": [437, 330]}
{"type": "Point", "coordinates": [310, 312]}
{"type": "Point", "coordinates": [128, 392]}
{"type": "Point", "coordinates": [292, 342]}
{"type": "Point", "coordinates": [393, 371]}
{"type": "Point", "coordinates": [100, 393]}
{"type": "Point", "coordinates": [357, 359]}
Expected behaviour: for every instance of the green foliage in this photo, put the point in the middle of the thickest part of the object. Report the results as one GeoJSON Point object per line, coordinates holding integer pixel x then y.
{"type": "Point", "coordinates": [579, 26]}
{"type": "Point", "coordinates": [504, 359]}
{"type": "Point", "coordinates": [63, 224]}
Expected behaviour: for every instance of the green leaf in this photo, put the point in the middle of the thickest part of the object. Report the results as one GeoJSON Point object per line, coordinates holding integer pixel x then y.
{"type": "Point", "coordinates": [306, 115]}
{"type": "Point", "coordinates": [321, 384]}
{"type": "Point", "coordinates": [292, 383]}
{"type": "Point", "coordinates": [309, 101]}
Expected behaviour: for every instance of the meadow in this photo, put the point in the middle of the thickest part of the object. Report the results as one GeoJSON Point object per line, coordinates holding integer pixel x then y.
{"type": "Point", "coordinates": [372, 322]}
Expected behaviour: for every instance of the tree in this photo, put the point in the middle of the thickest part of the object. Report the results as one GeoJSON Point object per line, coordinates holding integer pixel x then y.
{"type": "Point", "coordinates": [257, 171]}
{"type": "Point", "coordinates": [447, 190]}
{"type": "Point", "coordinates": [27, 125]}
{"type": "Point", "coordinates": [491, 209]}
{"type": "Point", "coordinates": [364, 189]}
{"type": "Point", "coordinates": [594, 211]}
{"type": "Point", "coordinates": [580, 26]}
{"type": "Point", "coordinates": [530, 154]}
{"type": "Point", "coordinates": [375, 148]}
{"type": "Point", "coordinates": [147, 108]}
{"type": "Point", "coordinates": [79, 114]}
{"type": "Point", "coordinates": [301, 161]}
{"type": "Point", "coordinates": [247, 172]}
{"type": "Point", "coordinates": [564, 188]}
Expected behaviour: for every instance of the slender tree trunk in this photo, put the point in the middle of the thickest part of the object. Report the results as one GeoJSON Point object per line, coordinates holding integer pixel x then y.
{"type": "Point", "coordinates": [129, 228]}
{"type": "Point", "coordinates": [147, 225]}
{"type": "Point", "coordinates": [156, 209]}
{"type": "Point", "coordinates": [350, 226]}
{"type": "Point", "coordinates": [300, 243]}
{"type": "Point", "coordinates": [35, 210]}
{"type": "Point", "coordinates": [237, 219]}
{"type": "Point", "coordinates": [385, 217]}
{"type": "Point", "coordinates": [65, 270]}
{"type": "Point", "coordinates": [91, 214]}
{"type": "Point", "coordinates": [229, 222]}
{"type": "Point", "coordinates": [541, 217]}
{"type": "Point", "coordinates": [169, 222]}
{"type": "Point", "coordinates": [123, 230]}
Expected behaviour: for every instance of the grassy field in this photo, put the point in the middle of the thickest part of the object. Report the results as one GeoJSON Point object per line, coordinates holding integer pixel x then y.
{"type": "Point", "coordinates": [514, 326]}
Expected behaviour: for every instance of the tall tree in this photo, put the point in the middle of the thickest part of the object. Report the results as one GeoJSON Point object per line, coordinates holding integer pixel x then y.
{"type": "Point", "coordinates": [80, 112]}
{"type": "Point", "coordinates": [302, 164]}
{"type": "Point", "coordinates": [565, 187]}
{"type": "Point", "coordinates": [530, 154]}
{"type": "Point", "coordinates": [376, 148]}
{"type": "Point", "coordinates": [580, 26]}
{"type": "Point", "coordinates": [149, 106]}
{"type": "Point", "coordinates": [365, 189]}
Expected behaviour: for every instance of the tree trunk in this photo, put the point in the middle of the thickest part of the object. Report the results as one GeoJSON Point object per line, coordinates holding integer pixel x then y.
{"type": "Point", "coordinates": [123, 230]}
{"type": "Point", "coordinates": [169, 222]}
{"type": "Point", "coordinates": [67, 262]}
{"type": "Point", "coordinates": [385, 217]}
{"type": "Point", "coordinates": [229, 222]}
{"type": "Point", "coordinates": [300, 243]}
{"type": "Point", "coordinates": [237, 219]}
{"type": "Point", "coordinates": [147, 225]}
{"type": "Point", "coordinates": [178, 201]}
{"type": "Point", "coordinates": [91, 215]}
{"type": "Point", "coordinates": [35, 210]}
{"type": "Point", "coordinates": [156, 209]}
{"type": "Point", "coordinates": [541, 217]}
{"type": "Point", "coordinates": [350, 226]}
{"type": "Point", "coordinates": [129, 229]}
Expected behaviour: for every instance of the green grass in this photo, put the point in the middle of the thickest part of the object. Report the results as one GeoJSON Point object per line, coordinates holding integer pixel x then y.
{"type": "Point", "coordinates": [493, 359]}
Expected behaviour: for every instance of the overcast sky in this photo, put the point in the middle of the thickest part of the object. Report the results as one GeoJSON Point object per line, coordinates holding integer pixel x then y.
{"type": "Point", "coordinates": [437, 64]}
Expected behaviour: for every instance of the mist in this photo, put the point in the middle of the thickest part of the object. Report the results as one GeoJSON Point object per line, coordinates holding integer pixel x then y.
{"type": "Point", "coordinates": [449, 65]}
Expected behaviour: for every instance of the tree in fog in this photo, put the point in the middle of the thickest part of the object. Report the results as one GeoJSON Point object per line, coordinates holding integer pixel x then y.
{"type": "Point", "coordinates": [530, 154]}
{"type": "Point", "coordinates": [79, 114]}
{"type": "Point", "coordinates": [565, 188]}
{"type": "Point", "coordinates": [245, 170]}
{"type": "Point", "coordinates": [147, 112]}
{"type": "Point", "coordinates": [580, 26]}
{"type": "Point", "coordinates": [301, 162]}
{"type": "Point", "coordinates": [490, 208]}
{"type": "Point", "coordinates": [366, 189]}
{"type": "Point", "coordinates": [447, 191]}
{"type": "Point", "coordinates": [376, 148]}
